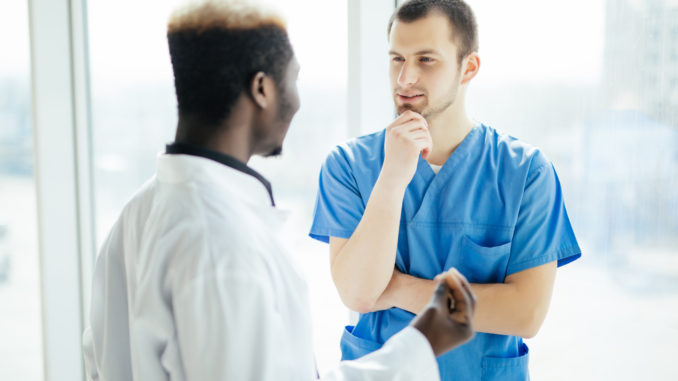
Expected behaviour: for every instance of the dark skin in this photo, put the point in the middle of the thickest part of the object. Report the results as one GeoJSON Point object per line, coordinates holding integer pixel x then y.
{"type": "Point", "coordinates": [257, 126]}
{"type": "Point", "coordinates": [447, 319]}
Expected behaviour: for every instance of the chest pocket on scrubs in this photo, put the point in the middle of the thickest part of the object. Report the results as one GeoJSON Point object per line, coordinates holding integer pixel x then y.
{"type": "Point", "coordinates": [507, 369]}
{"type": "Point", "coordinates": [484, 264]}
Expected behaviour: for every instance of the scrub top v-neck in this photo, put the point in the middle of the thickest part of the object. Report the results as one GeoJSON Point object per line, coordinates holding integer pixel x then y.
{"type": "Point", "coordinates": [495, 208]}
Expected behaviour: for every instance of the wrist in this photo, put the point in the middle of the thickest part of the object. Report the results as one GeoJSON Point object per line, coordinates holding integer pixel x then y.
{"type": "Point", "coordinates": [424, 323]}
{"type": "Point", "coordinates": [391, 186]}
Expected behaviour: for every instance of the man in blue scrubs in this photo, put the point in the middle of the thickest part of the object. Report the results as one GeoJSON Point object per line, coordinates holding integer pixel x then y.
{"type": "Point", "coordinates": [435, 190]}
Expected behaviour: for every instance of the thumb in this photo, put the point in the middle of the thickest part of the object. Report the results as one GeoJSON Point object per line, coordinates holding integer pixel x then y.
{"type": "Point", "coordinates": [441, 298]}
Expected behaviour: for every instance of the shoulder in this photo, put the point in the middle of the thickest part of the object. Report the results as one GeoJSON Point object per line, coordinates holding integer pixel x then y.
{"type": "Point", "coordinates": [512, 153]}
{"type": "Point", "coordinates": [362, 149]}
{"type": "Point", "coordinates": [224, 235]}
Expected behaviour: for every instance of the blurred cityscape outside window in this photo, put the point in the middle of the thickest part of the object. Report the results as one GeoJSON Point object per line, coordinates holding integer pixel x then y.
{"type": "Point", "coordinates": [594, 83]}
{"type": "Point", "coordinates": [20, 312]}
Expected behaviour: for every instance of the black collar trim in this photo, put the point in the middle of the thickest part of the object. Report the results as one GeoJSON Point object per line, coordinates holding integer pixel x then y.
{"type": "Point", "coordinates": [178, 148]}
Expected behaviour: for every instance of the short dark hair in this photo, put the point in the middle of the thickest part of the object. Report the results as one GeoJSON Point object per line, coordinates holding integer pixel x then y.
{"type": "Point", "coordinates": [216, 58]}
{"type": "Point", "coordinates": [460, 15]}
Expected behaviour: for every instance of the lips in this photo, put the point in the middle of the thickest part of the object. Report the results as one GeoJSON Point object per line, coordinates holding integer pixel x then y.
{"type": "Point", "coordinates": [407, 98]}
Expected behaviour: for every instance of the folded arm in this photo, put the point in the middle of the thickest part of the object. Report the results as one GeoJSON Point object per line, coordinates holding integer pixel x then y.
{"type": "Point", "coordinates": [362, 266]}
{"type": "Point", "coordinates": [516, 307]}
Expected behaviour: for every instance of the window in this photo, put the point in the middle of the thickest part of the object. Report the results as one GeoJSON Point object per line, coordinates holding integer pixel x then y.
{"type": "Point", "coordinates": [20, 324]}
{"type": "Point", "coordinates": [580, 93]}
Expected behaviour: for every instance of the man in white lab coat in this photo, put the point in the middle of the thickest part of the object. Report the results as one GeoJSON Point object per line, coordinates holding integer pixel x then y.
{"type": "Point", "coordinates": [193, 282]}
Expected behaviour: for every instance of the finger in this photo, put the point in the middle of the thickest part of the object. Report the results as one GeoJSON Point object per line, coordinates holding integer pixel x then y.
{"type": "Point", "coordinates": [403, 118]}
{"type": "Point", "coordinates": [406, 117]}
{"type": "Point", "coordinates": [440, 296]}
{"type": "Point", "coordinates": [441, 282]}
{"type": "Point", "coordinates": [443, 299]}
{"type": "Point", "coordinates": [424, 153]}
{"type": "Point", "coordinates": [417, 134]}
{"type": "Point", "coordinates": [411, 126]}
{"type": "Point", "coordinates": [467, 287]}
{"type": "Point", "coordinates": [412, 115]}
{"type": "Point", "coordinates": [470, 292]}
{"type": "Point", "coordinates": [424, 144]}
{"type": "Point", "coordinates": [462, 300]}
{"type": "Point", "coordinates": [424, 148]}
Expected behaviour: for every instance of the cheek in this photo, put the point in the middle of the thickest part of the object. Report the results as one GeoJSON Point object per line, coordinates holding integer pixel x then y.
{"type": "Point", "coordinates": [440, 81]}
{"type": "Point", "coordinates": [394, 72]}
{"type": "Point", "coordinates": [296, 102]}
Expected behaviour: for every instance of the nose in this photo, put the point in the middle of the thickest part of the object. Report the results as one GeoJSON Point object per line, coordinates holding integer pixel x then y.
{"type": "Point", "coordinates": [408, 75]}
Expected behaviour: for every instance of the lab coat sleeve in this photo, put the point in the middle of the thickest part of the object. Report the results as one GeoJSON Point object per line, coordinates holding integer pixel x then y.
{"type": "Point", "coordinates": [226, 328]}
{"type": "Point", "coordinates": [105, 349]}
{"type": "Point", "coordinates": [91, 372]}
{"type": "Point", "coordinates": [405, 356]}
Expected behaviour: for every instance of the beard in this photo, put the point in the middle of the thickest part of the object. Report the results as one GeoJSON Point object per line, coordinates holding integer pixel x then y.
{"type": "Point", "coordinates": [285, 109]}
{"type": "Point", "coordinates": [277, 151]}
{"type": "Point", "coordinates": [284, 115]}
{"type": "Point", "coordinates": [438, 109]}
{"type": "Point", "coordinates": [431, 111]}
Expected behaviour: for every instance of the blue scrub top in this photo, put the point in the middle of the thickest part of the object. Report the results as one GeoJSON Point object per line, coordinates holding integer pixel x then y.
{"type": "Point", "coordinates": [495, 208]}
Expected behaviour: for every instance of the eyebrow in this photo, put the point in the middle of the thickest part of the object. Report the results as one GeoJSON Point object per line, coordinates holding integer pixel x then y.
{"type": "Point", "coordinates": [419, 53]}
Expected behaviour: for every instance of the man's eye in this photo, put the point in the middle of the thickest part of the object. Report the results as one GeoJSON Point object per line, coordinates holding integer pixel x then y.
{"type": "Point", "coordinates": [398, 59]}
{"type": "Point", "coordinates": [426, 59]}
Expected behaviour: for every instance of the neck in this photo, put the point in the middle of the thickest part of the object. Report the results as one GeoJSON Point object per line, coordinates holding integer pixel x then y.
{"type": "Point", "coordinates": [231, 137]}
{"type": "Point", "coordinates": [233, 142]}
{"type": "Point", "coordinates": [448, 129]}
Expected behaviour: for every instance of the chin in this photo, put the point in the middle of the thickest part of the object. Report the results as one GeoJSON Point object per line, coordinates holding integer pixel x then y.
{"type": "Point", "coordinates": [402, 108]}
{"type": "Point", "coordinates": [275, 152]}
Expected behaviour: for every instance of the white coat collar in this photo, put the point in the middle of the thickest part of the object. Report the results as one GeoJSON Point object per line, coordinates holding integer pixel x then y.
{"type": "Point", "coordinates": [182, 168]}
{"type": "Point", "coordinates": [227, 160]}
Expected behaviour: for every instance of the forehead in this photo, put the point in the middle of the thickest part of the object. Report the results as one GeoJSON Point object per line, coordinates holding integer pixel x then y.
{"type": "Point", "coordinates": [431, 32]}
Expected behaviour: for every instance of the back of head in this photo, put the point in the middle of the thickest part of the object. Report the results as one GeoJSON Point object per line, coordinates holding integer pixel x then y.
{"type": "Point", "coordinates": [460, 15]}
{"type": "Point", "coordinates": [216, 48]}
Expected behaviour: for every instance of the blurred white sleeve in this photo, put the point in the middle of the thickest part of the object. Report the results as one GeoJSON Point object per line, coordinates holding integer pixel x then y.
{"type": "Point", "coordinates": [405, 356]}
{"type": "Point", "coordinates": [91, 372]}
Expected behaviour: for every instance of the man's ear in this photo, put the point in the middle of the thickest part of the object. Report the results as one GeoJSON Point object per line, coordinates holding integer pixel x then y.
{"type": "Point", "coordinates": [262, 89]}
{"type": "Point", "coordinates": [471, 67]}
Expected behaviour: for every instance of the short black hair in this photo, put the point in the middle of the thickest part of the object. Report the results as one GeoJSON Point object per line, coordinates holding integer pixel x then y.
{"type": "Point", "coordinates": [213, 67]}
{"type": "Point", "coordinates": [460, 15]}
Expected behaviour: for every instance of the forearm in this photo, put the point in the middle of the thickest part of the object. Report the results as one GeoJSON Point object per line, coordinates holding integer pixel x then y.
{"type": "Point", "coordinates": [363, 267]}
{"type": "Point", "coordinates": [406, 292]}
{"type": "Point", "coordinates": [501, 308]}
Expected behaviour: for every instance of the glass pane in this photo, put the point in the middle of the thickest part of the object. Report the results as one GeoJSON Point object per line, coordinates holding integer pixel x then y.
{"type": "Point", "coordinates": [594, 83]}
{"type": "Point", "coordinates": [133, 104]}
{"type": "Point", "coordinates": [134, 115]}
{"type": "Point", "coordinates": [20, 316]}
{"type": "Point", "coordinates": [319, 125]}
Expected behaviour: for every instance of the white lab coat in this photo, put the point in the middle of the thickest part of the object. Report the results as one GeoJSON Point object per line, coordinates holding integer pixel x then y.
{"type": "Point", "coordinates": [193, 283]}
